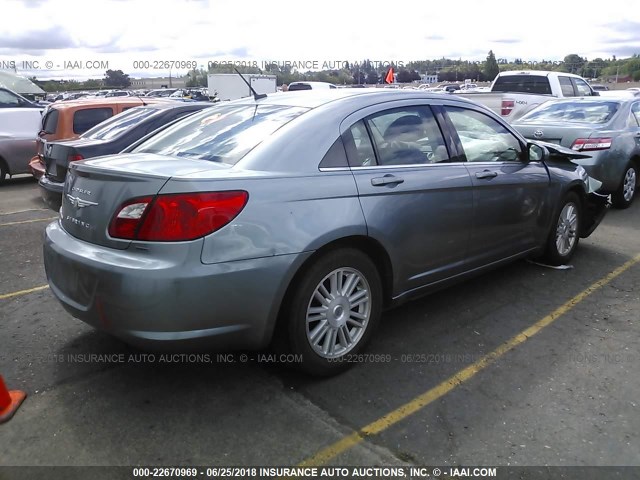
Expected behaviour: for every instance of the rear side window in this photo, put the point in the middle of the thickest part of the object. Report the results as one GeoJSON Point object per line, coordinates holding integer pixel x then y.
{"type": "Point", "coordinates": [635, 113]}
{"type": "Point", "coordinates": [358, 146]}
{"type": "Point", "coordinates": [50, 121]}
{"type": "Point", "coordinates": [537, 84]}
{"type": "Point", "coordinates": [566, 86]}
{"type": "Point", "coordinates": [335, 156]}
{"type": "Point", "coordinates": [88, 118]}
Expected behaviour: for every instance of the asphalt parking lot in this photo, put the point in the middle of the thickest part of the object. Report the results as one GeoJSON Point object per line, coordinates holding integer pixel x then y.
{"type": "Point", "coordinates": [562, 390]}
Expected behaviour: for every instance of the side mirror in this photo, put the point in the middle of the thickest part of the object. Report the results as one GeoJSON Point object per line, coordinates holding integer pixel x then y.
{"type": "Point", "coordinates": [595, 93]}
{"type": "Point", "coordinates": [536, 153]}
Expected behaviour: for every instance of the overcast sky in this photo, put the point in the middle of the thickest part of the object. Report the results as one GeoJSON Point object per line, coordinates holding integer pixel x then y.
{"type": "Point", "coordinates": [124, 31]}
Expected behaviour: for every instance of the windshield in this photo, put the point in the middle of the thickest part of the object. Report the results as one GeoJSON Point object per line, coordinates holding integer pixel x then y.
{"type": "Point", "coordinates": [221, 134]}
{"type": "Point", "coordinates": [574, 112]}
{"type": "Point", "coordinates": [119, 124]}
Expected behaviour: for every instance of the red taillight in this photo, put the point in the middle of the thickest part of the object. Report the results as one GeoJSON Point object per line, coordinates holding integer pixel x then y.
{"type": "Point", "coordinates": [587, 144]}
{"type": "Point", "coordinates": [74, 158]}
{"type": "Point", "coordinates": [507, 107]}
{"type": "Point", "coordinates": [176, 217]}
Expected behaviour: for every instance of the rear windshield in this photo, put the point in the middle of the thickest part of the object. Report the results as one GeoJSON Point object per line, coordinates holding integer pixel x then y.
{"type": "Point", "coordinates": [580, 112]}
{"type": "Point", "coordinates": [299, 86]}
{"type": "Point", "coordinates": [119, 124]}
{"type": "Point", "coordinates": [221, 134]}
{"type": "Point", "coordinates": [522, 84]}
{"type": "Point", "coordinates": [88, 118]}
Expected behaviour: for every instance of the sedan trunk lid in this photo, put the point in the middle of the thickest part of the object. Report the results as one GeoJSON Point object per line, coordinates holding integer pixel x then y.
{"type": "Point", "coordinates": [95, 189]}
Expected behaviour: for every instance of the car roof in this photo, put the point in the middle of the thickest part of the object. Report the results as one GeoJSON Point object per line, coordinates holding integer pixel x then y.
{"type": "Point", "coordinates": [317, 98]}
{"type": "Point", "coordinates": [82, 102]}
{"type": "Point", "coordinates": [597, 99]}
{"type": "Point", "coordinates": [170, 105]}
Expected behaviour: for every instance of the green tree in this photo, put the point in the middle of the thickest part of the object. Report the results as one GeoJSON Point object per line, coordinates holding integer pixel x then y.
{"type": "Point", "coordinates": [490, 69]}
{"type": "Point", "coordinates": [116, 78]}
{"type": "Point", "coordinates": [573, 63]}
{"type": "Point", "coordinates": [372, 78]}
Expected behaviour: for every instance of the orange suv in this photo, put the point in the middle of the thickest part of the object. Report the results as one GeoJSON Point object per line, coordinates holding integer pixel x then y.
{"type": "Point", "coordinates": [66, 120]}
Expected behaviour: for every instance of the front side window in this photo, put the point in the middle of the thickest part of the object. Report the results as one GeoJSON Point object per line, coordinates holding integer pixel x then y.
{"type": "Point", "coordinates": [88, 118]}
{"type": "Point", "coordinates": [483, 138]}
{"type": "Point", "coordinates": [582, 88]}
{"type": "Point", "coordinates": [221, 134]}
{"type": "Point", "coordinates": [566, 86]}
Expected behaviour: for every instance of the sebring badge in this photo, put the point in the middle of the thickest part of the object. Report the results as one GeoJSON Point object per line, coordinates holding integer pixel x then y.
{"type": "Point", "coordinates": [538, 133]}
{"type": "Point", "coordinates": [79, 202]}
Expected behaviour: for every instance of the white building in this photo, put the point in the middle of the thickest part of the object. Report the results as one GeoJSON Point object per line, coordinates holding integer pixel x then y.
{"type": "Point", "coordinates": [159, 82]}
{"type": "Point", "coordinates": [426, 78]}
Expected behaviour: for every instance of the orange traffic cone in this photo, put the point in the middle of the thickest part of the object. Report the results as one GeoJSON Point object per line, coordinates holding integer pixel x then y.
{"type": "Point", "coordinates": [9, 401]}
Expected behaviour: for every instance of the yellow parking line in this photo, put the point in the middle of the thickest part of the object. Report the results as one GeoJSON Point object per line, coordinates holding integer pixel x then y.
{"type": "Point", "coordinates": [27, 221]}
{"type": "Point", "coordinates": [23, 211]}
{"type": "Point", "coordinates": [23, 292]}
{"type": "Point", "coordinates": [421, 401]}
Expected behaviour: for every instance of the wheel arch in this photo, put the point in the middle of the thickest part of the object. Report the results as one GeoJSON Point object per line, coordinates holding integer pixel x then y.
{"type": "Point", "coordinates": [367, 245]}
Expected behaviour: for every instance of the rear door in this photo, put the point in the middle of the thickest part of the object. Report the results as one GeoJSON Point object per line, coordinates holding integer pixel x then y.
{"type": "Point", "coordinates": [509, 191]}
{"type": "Point", "coordinates": [417, 200]}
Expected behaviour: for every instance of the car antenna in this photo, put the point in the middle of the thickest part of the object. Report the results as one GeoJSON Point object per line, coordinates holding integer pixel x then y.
{"type": "Point", "coordinates": [256, 95]}
{"type": "Point", "coordinates": [144, 104]}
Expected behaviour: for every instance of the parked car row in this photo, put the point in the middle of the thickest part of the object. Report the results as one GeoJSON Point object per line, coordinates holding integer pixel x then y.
{"type": "Point", "coordinates": [108, 137]}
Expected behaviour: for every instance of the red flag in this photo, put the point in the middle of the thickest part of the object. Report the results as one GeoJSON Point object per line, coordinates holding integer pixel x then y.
{"type": "Point", "coordinates": [389, 77]}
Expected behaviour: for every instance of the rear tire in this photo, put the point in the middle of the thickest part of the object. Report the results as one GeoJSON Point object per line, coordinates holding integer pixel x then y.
{"type": "Point", "coordinates": [565, 232]}
{"type": "Point", "coordinates": [334, 310]}
{"type": "Point", "coordinates": [623, 197]}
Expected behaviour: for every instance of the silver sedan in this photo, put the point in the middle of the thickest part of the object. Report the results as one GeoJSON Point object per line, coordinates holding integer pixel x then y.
{"type": "Point", "coordinates": [606, 128]}
{"type": "Point", "coordinates": [297, 218]}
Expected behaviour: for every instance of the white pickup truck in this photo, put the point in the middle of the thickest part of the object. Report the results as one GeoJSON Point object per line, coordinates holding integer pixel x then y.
{"type": "Point", "coordinates": [515, 93]}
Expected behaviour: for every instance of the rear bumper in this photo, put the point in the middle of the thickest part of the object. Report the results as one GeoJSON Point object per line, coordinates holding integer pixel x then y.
{"type": "Point", "coordinates": [168, 303]}
{"type": "Point", "coordinates": [36, 167]}
{"type": "Point", "coordinates": [596, 207]}
{"type": "Point", "coordinates": [51, 192]}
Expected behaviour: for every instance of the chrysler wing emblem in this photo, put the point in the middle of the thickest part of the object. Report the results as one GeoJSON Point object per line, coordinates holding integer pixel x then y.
{"type": "Point", "coordinates": [538, 133]}
{"type": "Point", "coordinates": [79, 202]}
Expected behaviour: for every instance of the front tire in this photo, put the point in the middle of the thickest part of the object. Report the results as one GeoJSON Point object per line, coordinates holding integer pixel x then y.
{"type": "Point", "coordinates": [623, 197]}
{"type": "Point", "coordinates": [565, 233]}
{"type": "Point", "coordinates": [334, 310]}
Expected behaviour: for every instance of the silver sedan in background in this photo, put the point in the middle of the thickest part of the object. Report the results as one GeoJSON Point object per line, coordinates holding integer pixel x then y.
{"type": "Point", "coordinates": [607, 128]}
{"type": "Point", "coordinates": [297, 218]}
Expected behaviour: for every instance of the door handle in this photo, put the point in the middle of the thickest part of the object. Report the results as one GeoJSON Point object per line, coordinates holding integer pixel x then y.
{"type": "Point", "coordinates": [486, 174]}
{"type": "Point", "coordinates": [386, 180]}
